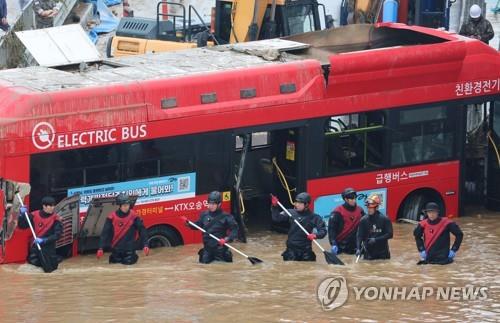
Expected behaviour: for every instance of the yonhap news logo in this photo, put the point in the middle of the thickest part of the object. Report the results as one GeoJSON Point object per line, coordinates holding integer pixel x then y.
{"type": "Point", "coordinates": [333, 292]}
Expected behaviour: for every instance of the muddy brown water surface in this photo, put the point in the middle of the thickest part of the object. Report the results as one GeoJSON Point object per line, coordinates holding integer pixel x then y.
{"type": "Point", "coordinates": [170, 285]}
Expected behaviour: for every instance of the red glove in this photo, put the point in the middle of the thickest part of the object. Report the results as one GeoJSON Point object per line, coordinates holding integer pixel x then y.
{"type": "Point", "coordinates": [274, 200]}
{"type": "Point", "coordinates": [100, 253]}
{"type": "Point", "coordinates": [222, 242]}
{"type": "Point", "coordinates": [146, 251]}
{"type": "Point", "coordinates": [311, 236]}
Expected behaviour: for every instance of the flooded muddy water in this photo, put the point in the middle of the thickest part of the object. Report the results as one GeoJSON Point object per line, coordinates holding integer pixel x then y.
{"type": "Point", "coordinates": [170, 285]}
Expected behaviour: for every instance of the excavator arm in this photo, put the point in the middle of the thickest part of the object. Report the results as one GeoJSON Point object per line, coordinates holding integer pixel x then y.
{"type": "Point", "coordinates": [246, 19]}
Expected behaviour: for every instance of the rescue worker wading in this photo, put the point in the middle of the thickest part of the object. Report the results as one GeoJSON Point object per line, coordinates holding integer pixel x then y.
{"type": "Point", "coordinates": [432, 236]}
{"type": "Point", "coordinates": [120, 230]}
{"type": "Point", "coordinates": [298, 244]}
{"type": "Point", "coordinates": [375, 229]}
{"type": "Point", "coordinates": [48, 229]}
{"type": "Point", "coordinates": [343, 224]}
{"type": "Point", "coordinates": [221, 225]}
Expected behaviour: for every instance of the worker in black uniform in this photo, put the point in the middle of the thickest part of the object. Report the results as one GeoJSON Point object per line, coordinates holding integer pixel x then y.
{"type": "Point", "coordinates": [432, 236]}
{"type": "Point", "coordinates": [48, 229]}
{"type": "Point", "coordinates": [374, 232]}
{"type": "Point", "coordinates": [343, 224]}
{"type": "Point", "coordinates": [220, 224]}
{"type": "Point", "coordinates": [298, 244]}
{"type": "Point", "coordinates": [120, 231]}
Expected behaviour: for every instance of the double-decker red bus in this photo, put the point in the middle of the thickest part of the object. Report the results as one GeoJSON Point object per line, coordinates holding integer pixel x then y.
{"type": "Point", "coordinates": [379, 108]}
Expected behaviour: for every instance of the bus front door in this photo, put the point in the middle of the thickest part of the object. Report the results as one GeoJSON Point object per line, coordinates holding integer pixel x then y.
{"type": "Point", "coordinates": [252, 180]}
{"type": "Point", "coordinates": [286, 176]}
{"type": "Point", "coordinates": [265, 163]}
{"type": "Point", "coordinates": [285, 160]}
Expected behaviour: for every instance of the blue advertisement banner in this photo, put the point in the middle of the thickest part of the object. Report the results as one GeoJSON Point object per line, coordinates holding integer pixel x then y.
{"type": "Point", "coordinates": [324, 205]}
{"type": "Point", "coordinates": [150, 190]}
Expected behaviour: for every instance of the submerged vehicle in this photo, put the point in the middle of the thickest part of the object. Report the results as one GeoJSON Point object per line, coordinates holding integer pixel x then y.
{"type": "Point", "coordinates": [381, 108]}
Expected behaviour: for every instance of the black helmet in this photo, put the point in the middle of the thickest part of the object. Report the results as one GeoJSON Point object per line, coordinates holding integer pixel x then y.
{"type": "Point", "coordinates": [431, 206]}
{"type": "Point", "coordinates": [214, 197]}
{"type": "Point", "coordinates": [303, 197]}
{"type": "Point", "coordinates": [122, 199]}
{"type": "Point", "coordinates": [48, 200]}
{"type": "Point", "coordinates": [349, 192]}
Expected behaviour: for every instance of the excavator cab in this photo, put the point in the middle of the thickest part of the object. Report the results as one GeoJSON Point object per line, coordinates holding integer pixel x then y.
{"type": "Point", "coordinates": [246, 20]}
{"type": "Point", "coordinates": [299, 17]}
{"type": "Point", "coordinates": [233, 21]}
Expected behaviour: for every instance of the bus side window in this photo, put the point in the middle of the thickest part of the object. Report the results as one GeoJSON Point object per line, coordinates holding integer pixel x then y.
{"type": "Point", "coordinates": [212, 164]}
{"type": "Point", "coordinates": [64, 178]}
{"type": "Point", "coordinates": [354, 142]}
{"type": "Point", "coordinates": [423, 134]}
{"type": "Point", "coordinates": [56, 172]}
{"type": "Point", "coordinates": [102, 174]}
{"type": "Point", "coordinates": [177, 155]}
{"type": "Point", "coordinates": [101, 165]}
{"type": "Point", "coordinates": [160, 157]}
{"type": "Point", "coordinates": [142, 160]}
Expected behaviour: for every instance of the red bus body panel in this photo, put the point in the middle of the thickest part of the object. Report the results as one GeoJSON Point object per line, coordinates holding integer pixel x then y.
{"type": "Point", "coordinates": [357, 81]}
{"type": "Point", "coordinates": [399, 183]}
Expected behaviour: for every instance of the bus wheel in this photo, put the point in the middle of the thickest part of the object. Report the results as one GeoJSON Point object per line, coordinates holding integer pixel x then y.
{"type": "Point", "coordinates": [163, 236]}
{"type": "Point", "coordinates": [413, 205]}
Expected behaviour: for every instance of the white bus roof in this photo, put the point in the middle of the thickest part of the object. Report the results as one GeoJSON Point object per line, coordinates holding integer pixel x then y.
{"type": "Point", "coordinates": [320, 45]}
{"type": "Point", "coordinates": [152, 66]}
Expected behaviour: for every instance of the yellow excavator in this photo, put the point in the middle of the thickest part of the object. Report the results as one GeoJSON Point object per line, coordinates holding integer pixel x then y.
{"type": "Point", "coordinates": [232, 21]}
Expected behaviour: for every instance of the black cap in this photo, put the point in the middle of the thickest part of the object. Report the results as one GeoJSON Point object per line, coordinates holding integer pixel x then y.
{"type": "Point", "coordinates": [349, 192]}
{"type": "Point", "coordinates": [431, 206]}
{"type": "Point", "coordinates": [48, 200]}
{"type": "Point", "coordinates": [303, 197]}
{"type": "Point", "coordinates": [122, 199]}
{"type": "Point", "coordinates": [214, 197]}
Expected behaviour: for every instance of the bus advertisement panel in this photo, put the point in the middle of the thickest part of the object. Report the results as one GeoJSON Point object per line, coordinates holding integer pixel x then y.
{"type": "Point", "coordinates": [151, 190]}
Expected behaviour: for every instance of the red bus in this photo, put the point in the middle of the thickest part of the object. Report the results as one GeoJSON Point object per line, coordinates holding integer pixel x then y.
{"type": "Point", "coordinates": [379, 108]}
